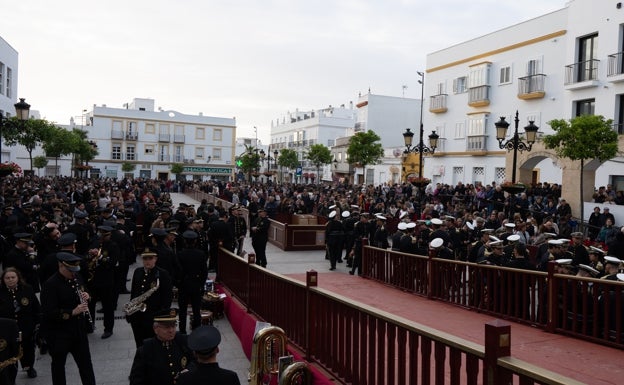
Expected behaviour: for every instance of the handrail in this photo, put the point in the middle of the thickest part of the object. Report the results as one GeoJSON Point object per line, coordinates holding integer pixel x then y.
{"type": "Point", "coordinates": [349, 339]}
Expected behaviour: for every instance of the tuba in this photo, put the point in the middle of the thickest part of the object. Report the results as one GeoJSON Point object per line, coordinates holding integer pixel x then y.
{"type": "Point", "coordinates": [269, 344]}
{"type": "Point", "coordinates": [297, 373]}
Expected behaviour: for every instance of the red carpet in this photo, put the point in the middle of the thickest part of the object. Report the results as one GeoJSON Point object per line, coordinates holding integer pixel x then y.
{"type": "Point", "coordinates": [244, 325]}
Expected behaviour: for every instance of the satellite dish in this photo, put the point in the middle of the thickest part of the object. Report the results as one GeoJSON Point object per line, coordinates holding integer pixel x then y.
{"type": "Point", "coordinates": [171, 114]}
{"type": "Point", "coordinates": [397, 152]}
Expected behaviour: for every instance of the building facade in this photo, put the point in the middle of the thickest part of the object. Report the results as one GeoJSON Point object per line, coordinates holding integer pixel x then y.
{"type": "Point", "coordinates": [8, 88]}
{"type": "Point", "coordinates": [152, 140]}
{"type": "Point", "coordinates": [299, 130]}
{"type": "Point", "coordinates": [556, 66]}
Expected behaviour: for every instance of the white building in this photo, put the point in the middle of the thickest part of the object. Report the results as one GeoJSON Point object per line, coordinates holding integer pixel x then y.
{"type": "Point", "coordinates": [8, 88]}
{"type": "Point", "coordinates": [556, 66]}
{"type": "Point", "coordinates": [299, 130]}
{"type": "Point", "coordinates": [153, 140]}
{"type": "Point", "coordinates": [388, 117]}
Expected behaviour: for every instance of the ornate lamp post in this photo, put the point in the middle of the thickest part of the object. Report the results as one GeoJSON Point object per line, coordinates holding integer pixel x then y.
{"type": "Point", "coordinates": [420, 148]}
{"type": "Point", "coordinates": [22, 111]}
{"type": "Point", "coordinates": [516, 145]}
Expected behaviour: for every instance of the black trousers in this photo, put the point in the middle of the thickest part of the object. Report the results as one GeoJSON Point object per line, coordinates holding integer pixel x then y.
{"type": "Point", "coordinates": [259, 246]}
{"type": "Point", "coordinates": [28, 346]}
{"type": "Point", "coordinates": [106, 295]}
{"type": "Point", "coordinates": [62, 343]}
{"type": "Point", "coordinates": [194, 297]}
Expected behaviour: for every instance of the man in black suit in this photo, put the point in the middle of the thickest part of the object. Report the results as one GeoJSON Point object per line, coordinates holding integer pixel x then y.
{"type": "Point", "coordinates": [149, 277]}
{"type": "Point", "coordinates": [193, 263]}
{"type": "Point", "coordinates": [161, 358]}
{"type": "Point", "coordinates": [260, 236]}
{"type": "Point", "coordinates": [220, 234]}
{"type": "Point", "coordinates": [204, 342]}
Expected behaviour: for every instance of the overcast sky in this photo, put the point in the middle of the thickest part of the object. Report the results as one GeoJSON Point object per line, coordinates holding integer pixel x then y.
{"type": "Point", "coordinates": [253, 60]}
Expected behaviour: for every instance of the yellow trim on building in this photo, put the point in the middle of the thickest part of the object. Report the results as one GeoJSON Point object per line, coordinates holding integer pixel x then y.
{"type": "Point", "coordinates": [499, 50]}
{"type": "Point", "coordinates": [478, 113]}
{"type": "Point", "coordinates": [469, 153]}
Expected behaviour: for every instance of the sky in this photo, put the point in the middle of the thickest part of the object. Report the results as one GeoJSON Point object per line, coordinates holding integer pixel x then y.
{"type": "Point", "coordinates": [253, 60]}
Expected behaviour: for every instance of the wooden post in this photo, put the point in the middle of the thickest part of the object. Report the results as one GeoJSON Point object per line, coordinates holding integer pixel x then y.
{"type": "Point", "coordinates": [551, 300]}
{"type": "Point", "coordinates": [497, 344]}
{"type": "Point", "coordinates": [251, 260]}
{"type": "Point", "coordinates": [433, 253]}
{"type": "Point", "coordinates": [311, 281]}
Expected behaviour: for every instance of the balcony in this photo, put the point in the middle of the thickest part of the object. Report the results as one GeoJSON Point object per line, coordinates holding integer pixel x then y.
{"type": "Point", "coordinates": [164, 138]}
{"type": "Point", "coordinates": [132, 136]}
{"type": "Point", "coordinates": [164, 158]}
{"type": "Point", "coordinates": [476, 143]}
{"type": "Point", "coordinates": [531, 87]}
{"type": "Point", "coordinates": [116, 155]}
{"type": "Point", "coordinates": [117, 134]}
{"type": "Point", "coordinates": [178, 138]}
{"type": "Point", "coordinates": [129, 156]}
{"type": "Point", "coordinates": [437, 104]}
{"type": "Point", "coordinates": [479, 96]}
{"type": "Point", "coordinates": [615, 67]}
{"type": "Point", "coordinates": [581, 75]}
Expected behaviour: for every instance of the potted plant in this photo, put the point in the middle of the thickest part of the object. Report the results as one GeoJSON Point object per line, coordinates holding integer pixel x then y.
{"type": "Point", "coordinates": [82, 167]}
{"type": "Point", "coordinates": [513, 188]}
{"type": "Point", "coordinates": [8, 168]}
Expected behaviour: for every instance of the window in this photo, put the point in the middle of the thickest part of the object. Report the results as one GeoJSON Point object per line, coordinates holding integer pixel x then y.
{"type": "Point", "coordinates": [585, 107]}
{"type": "Point", "coordinates": [440, 88]}
{"type": "Point", "coordinates": [588, 55]}
{"type": "Point", "coordinates": [534, 67]}
{"type": "Point", "coordinates": [460, 130]}
{"type": "Point", "coordinates": [178, 129]}
{"type": "Point", "coordinates": [116, 153]}
{"type": "Point", "coordinates": [9, 82]}
{"type": "Point", "coordinates": [199, 152]}
{"type": "Point", "coordinates": [476, 126]}
{"type": "Point", "coordinates": [216, 154]}
{"type": "Point", "coordinates": [459, 85]}
{"type": "Point", "coordinates": [149, 149]}
{"type": "Point", "coordinates": [200, 133]}
{"type": "Point", "coordinates": [130, 153]}
{"type": "Point", "coordinates": [505, 75]}
{"type": "Point", "coordinates": [217, 134]}
{"type": "Point", "coordinates": [1, 78]}
{"type": "Point", "coordinates": [150, 128]}
{"type": "Point", "coordinates": [479, 75]}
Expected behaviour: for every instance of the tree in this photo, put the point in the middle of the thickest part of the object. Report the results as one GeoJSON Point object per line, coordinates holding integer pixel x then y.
{"type": "Point", "coordinates": [177, 169]}
{"type": "Point", "coordinates": [288, 158]}
{"type": "Point", "coordinates": [583, 138]}
{"type": "Point", "coordinates": [319, 155]}
{"type": "Point", "coordinates": [40, 162]}
{"type": "Point", "coordinates": [364, 149]}
{"type": "Point", "coordinates": [28, 133]}
{"type": "Point", "coordinates": [249, 160]}
{"type": "Point", "coordinates": [57, 144]}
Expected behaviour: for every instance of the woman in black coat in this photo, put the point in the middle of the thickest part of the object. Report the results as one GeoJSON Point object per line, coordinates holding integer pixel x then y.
{"type": "Point", "coordinates": [19, 302]}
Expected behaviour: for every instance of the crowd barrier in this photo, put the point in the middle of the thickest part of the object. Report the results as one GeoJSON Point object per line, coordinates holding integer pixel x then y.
{"type": "Point", "coordinates": [359, 344]}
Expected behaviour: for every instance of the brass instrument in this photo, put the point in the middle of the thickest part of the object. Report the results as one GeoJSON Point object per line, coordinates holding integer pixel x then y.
{"type": "Point", "coordinates": [87, 313]}
{"type": "Point", "coordinates": [14, 360]}
{"type": "Point", "coordinates": [269, 344]}
{"type": "Point", "coordinates": [297, 373]}
{"type": "Point", "coordinates": [138, 303]}
{"type": "Point", "coordinates": [93, 263]}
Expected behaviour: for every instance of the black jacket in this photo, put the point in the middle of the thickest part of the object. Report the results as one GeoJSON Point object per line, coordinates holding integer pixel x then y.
{"type": "Point", "coordinates": [154, 364]}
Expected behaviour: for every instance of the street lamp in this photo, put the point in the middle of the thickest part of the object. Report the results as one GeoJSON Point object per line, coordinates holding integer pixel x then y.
{"type": "Point", "coordinates": [420, 148]}
{"type": "Point", "coordinates": [515, 143]}
{"type": "Point", "coordinates": [22, 111]}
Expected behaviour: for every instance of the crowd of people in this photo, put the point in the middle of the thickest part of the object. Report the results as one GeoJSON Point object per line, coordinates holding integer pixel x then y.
{"type": "Point", "coordinates": [69, 243]}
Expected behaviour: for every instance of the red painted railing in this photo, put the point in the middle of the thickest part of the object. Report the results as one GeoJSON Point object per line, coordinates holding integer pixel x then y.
{"type": "Point", "coordinates": [359, 344]}
{"type": "Point", "coordinates": [581, 307]}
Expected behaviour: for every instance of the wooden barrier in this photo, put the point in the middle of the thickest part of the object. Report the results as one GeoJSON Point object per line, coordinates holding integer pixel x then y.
{"type": "Point", "coordinates": [362, 345]}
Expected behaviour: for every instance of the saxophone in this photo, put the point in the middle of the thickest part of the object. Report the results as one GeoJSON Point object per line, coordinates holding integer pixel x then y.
{"type": "Point", "coordinates": [138, 303]}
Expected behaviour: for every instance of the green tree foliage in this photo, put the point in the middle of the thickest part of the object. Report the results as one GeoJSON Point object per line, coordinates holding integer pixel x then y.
{"type": "Point", "coordinates": [57, 144]}
{"type": "Point", "coordinates": [583, 138]}
{"type": "Point", "coordinates": [288, 158]}
{"type": "Point", "coordinates": [130, 167]}
{"type": "Point", "coordinates": [28, 133]}
{"type": "Point", "coordinates": [249, 160]}
{"type": "Point", "coordinates": [319, 155]}
{"type": "Point", "coordinates": [177, 169]}
{"type": "Point", "coordinates": [40, 162]}
{"type": "Point", "coordinates": [364, 149]}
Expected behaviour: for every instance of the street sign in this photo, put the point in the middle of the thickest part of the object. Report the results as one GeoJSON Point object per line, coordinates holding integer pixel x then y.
{"type": "Point", "coordinates": [298, 171]}
{"type": "Point", "coordinates": [206, 170]}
